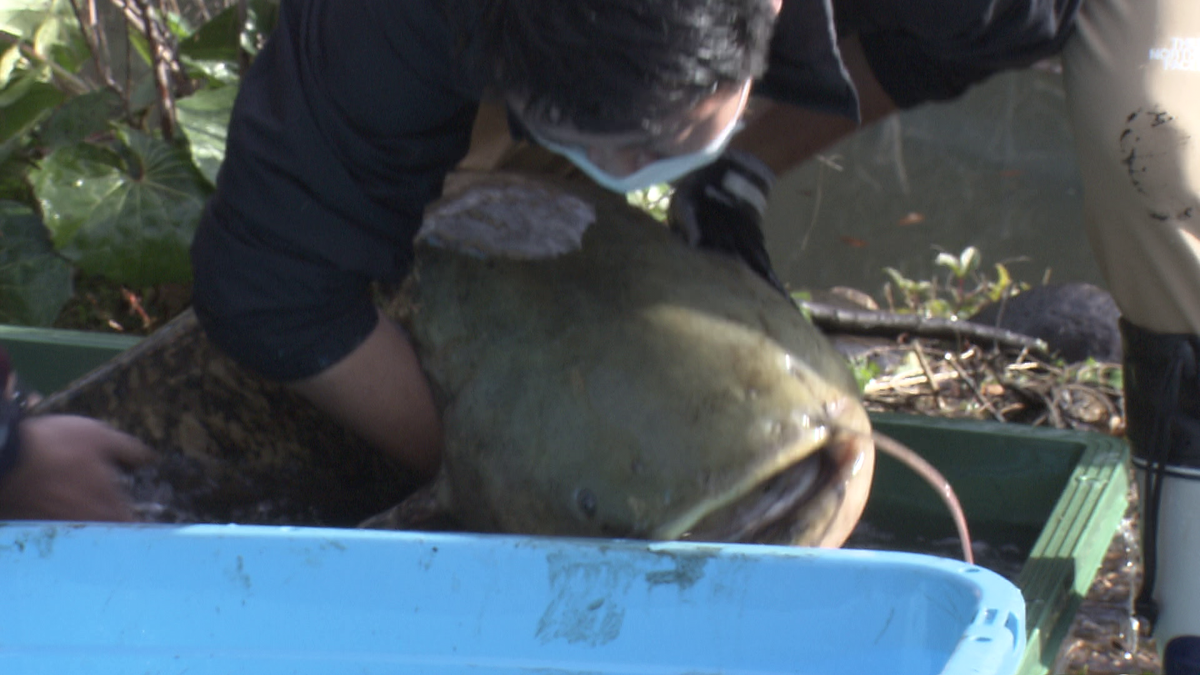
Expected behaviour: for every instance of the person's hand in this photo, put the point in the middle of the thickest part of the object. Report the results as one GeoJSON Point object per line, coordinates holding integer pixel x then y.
{"type": "Point", "coordinates": [69, 469]}
{"type": "Point", "coordinates": [720, 207]}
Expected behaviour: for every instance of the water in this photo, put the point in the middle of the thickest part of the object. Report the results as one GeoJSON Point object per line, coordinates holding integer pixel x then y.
{"type": "Point", "coordinates": [994, 169]}
{"type": "Point", "coordinates": [1002, 556]}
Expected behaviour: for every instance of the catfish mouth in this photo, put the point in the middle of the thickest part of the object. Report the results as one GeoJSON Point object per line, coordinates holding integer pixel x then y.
{"type": "Point", "coordinates": [795, 506]}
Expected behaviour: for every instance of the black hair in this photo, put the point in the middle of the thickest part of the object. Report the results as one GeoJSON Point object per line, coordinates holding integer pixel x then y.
{"type": "Point", "coordinates": [619, 65]}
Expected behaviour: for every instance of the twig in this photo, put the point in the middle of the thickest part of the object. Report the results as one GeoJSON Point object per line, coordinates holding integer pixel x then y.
{"type": "Point", "coordinates": [93, 35]}
{"type": "Point", "coordinates": [155, 39]}
{"type": "Point", "coordinates": [87, 27]}
{"type": "Point", "coordinates": [933, 386]}
{"type": "Point", "coordinates": [1056, 419]}
{"type": "Point", "coordinates": [870, 322]}
{"type": "Point", "coordinates": [974, 386]}
{"type": "Point", "coordinates": [135, 305]}
{"type": "Point", "coordinates": [1027, 365]}
{"type": "Point", "coordinates": [126, 103]}
{"type": "Point", "coordinates": [897, 383]}
{"type": "Point", "coordinates": [204, 13]}
{"type": "Point", "coordinates": [143, 19]}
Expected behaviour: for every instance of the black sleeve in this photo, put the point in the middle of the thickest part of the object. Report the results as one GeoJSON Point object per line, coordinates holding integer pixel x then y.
{"type": "Point", "coordinates": [343, 131]}
{"type": "Point", "coordinates": [924, 50]}
{"type": "Point", "coordinates": [805, 68]}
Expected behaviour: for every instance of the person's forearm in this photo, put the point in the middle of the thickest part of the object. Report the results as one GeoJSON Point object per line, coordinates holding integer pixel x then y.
{"type": "Point", "coordinates": [784, 135]}
{"type": "Point", "coordinates": [380, 392]}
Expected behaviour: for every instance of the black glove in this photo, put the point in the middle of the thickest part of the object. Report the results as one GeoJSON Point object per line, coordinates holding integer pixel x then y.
{"type": "Point", "coordinates": [720, 207]}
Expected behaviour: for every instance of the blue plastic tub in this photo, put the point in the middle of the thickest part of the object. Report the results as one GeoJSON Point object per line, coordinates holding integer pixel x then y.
{"type": "Point", "coordinates": [229, 600]}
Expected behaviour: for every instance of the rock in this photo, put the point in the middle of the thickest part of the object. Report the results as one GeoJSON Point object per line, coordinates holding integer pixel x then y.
{"type": "Point", "coordinates": [1077, 320]}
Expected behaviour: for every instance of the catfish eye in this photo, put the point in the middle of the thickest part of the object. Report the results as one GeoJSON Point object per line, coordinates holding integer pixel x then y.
{"type": "Point", "coordinates": [586, 501]}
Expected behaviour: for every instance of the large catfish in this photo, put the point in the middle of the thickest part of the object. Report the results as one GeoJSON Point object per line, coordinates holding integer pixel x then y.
{"type": "Point", "coordinates": [598, 377]}
{"type": "Point", "coordinates": [595, 375]}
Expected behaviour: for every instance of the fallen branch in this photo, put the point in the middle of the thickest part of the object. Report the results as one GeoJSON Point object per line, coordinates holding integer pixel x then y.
{"type": "Point", "coordinates": [890, 324]}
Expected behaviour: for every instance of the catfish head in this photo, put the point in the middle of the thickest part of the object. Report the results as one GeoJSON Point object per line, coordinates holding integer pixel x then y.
{"type": "Point", "coordinates": [597, 377]}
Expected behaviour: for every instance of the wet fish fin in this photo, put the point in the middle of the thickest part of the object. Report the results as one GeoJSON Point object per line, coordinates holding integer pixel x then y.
{"type": "Point", "coordinates": [420, 511]}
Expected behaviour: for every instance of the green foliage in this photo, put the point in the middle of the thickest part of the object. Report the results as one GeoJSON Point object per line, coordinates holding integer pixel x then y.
{"type": "Point", "coordinates": [127, 213]}
{"type": "Point", "coordinates": [49, 27]}
{"type": "Point", "coordinates": [864, 370]}
{"type": "Point", "coordinates": [24, 102]}
{"type": "Point", "coordinates": [204, 118]}
{"type": "Point", "coordinates": [34, 282]}
{"type": "Point", "coordinates": [228, 40]}
{"type": "Point", "coordinates": [1096, 373]}
{"type": "Point", "coordinates": [80, 118]}
{"type": "Point", "coordinates": [961, 293]}
{"type": "Point", "coordinates": [46, 43]}
{"type": "Point", "coordinates": [965, 264]}
{"type": "Point", "coordinates": [653, 200]}
{"type": "Point", "coordinates": [112, 175]}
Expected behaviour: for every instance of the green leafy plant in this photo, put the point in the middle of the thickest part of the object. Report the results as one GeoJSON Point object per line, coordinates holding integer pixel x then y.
{"type": "Point", "coordinates": [864, 370]}
{"type": "Point", "coordinates": [34, 282]}
{"type": "Point", "coordinates": [1101, 374]}
{"type": "Point", "coordinates": [126, 211]}
{"type": "Point", "coordinates": [112, 128]}
{"type": "Point", "coordinates": [654, 200]}
{"type": "Point", "coordinates": [960, 292]}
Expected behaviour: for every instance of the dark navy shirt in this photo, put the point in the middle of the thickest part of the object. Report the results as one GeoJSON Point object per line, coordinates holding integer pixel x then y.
{"type": "Point", "coordinates": [351, 116]}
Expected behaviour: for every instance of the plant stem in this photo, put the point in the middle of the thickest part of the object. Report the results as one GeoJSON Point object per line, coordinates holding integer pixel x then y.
{"type": "Point", "coordinates": [155, 38]}
{"type": "Point", "coordinates": [93, 36]}
{"type": "Point", "coordinates": [70, 83]}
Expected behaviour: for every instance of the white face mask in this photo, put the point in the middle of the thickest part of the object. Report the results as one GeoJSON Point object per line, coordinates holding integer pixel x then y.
{"type": "Point", "coordinates": [661, 171]}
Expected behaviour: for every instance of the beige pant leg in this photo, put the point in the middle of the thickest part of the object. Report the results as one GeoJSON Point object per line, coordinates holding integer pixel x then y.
{"type": "Point", "coordinates": [1132, 73]}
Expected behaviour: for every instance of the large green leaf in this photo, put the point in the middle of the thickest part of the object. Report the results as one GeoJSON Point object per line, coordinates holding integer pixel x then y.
{"type": "Point", "coordinates": [128, 215]}
{"type": "Point", "coordinates": [14, 169]}
{"type": "Point", "coordinates": [79, 118]}
{"type": "Point", "coordinates": [23, 18]}
{"type": "Point", "coordinates": [204, 117]}
{"type": "Point", "coordinates": [222, 38]}
{"type": "Point", "coordinates": [10, 61]}
{"type": "Point", "coordinates": [60, 39]}
{"type": "Point", "coordinates": [24, 103]}
{"type": "Point", "coordinates": [49, 26]}
{"type": "Point", "coordinates": [34, 282]}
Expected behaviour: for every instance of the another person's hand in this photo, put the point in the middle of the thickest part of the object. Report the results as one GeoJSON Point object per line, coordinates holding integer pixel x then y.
{"type": "Point", "coordinates": [720, 207]}
{"type": "Point", "coordinates": [69, 469]}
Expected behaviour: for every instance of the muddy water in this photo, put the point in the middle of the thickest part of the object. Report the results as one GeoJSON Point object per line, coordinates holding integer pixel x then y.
{"type": "Point", "coordinates": [1003, 558]}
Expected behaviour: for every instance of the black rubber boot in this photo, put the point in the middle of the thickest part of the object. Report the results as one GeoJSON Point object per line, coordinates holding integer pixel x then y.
{"type": "Point", "coordinates": [1162, 402]}
{"type": "Point", "coordinates": [1182, 656]}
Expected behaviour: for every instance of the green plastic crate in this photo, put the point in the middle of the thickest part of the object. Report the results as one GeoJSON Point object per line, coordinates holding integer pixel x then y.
{"type": "Point", "coordinates": [1060, 495]}
{"type": "Point", "coordinates": [49, 359]}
